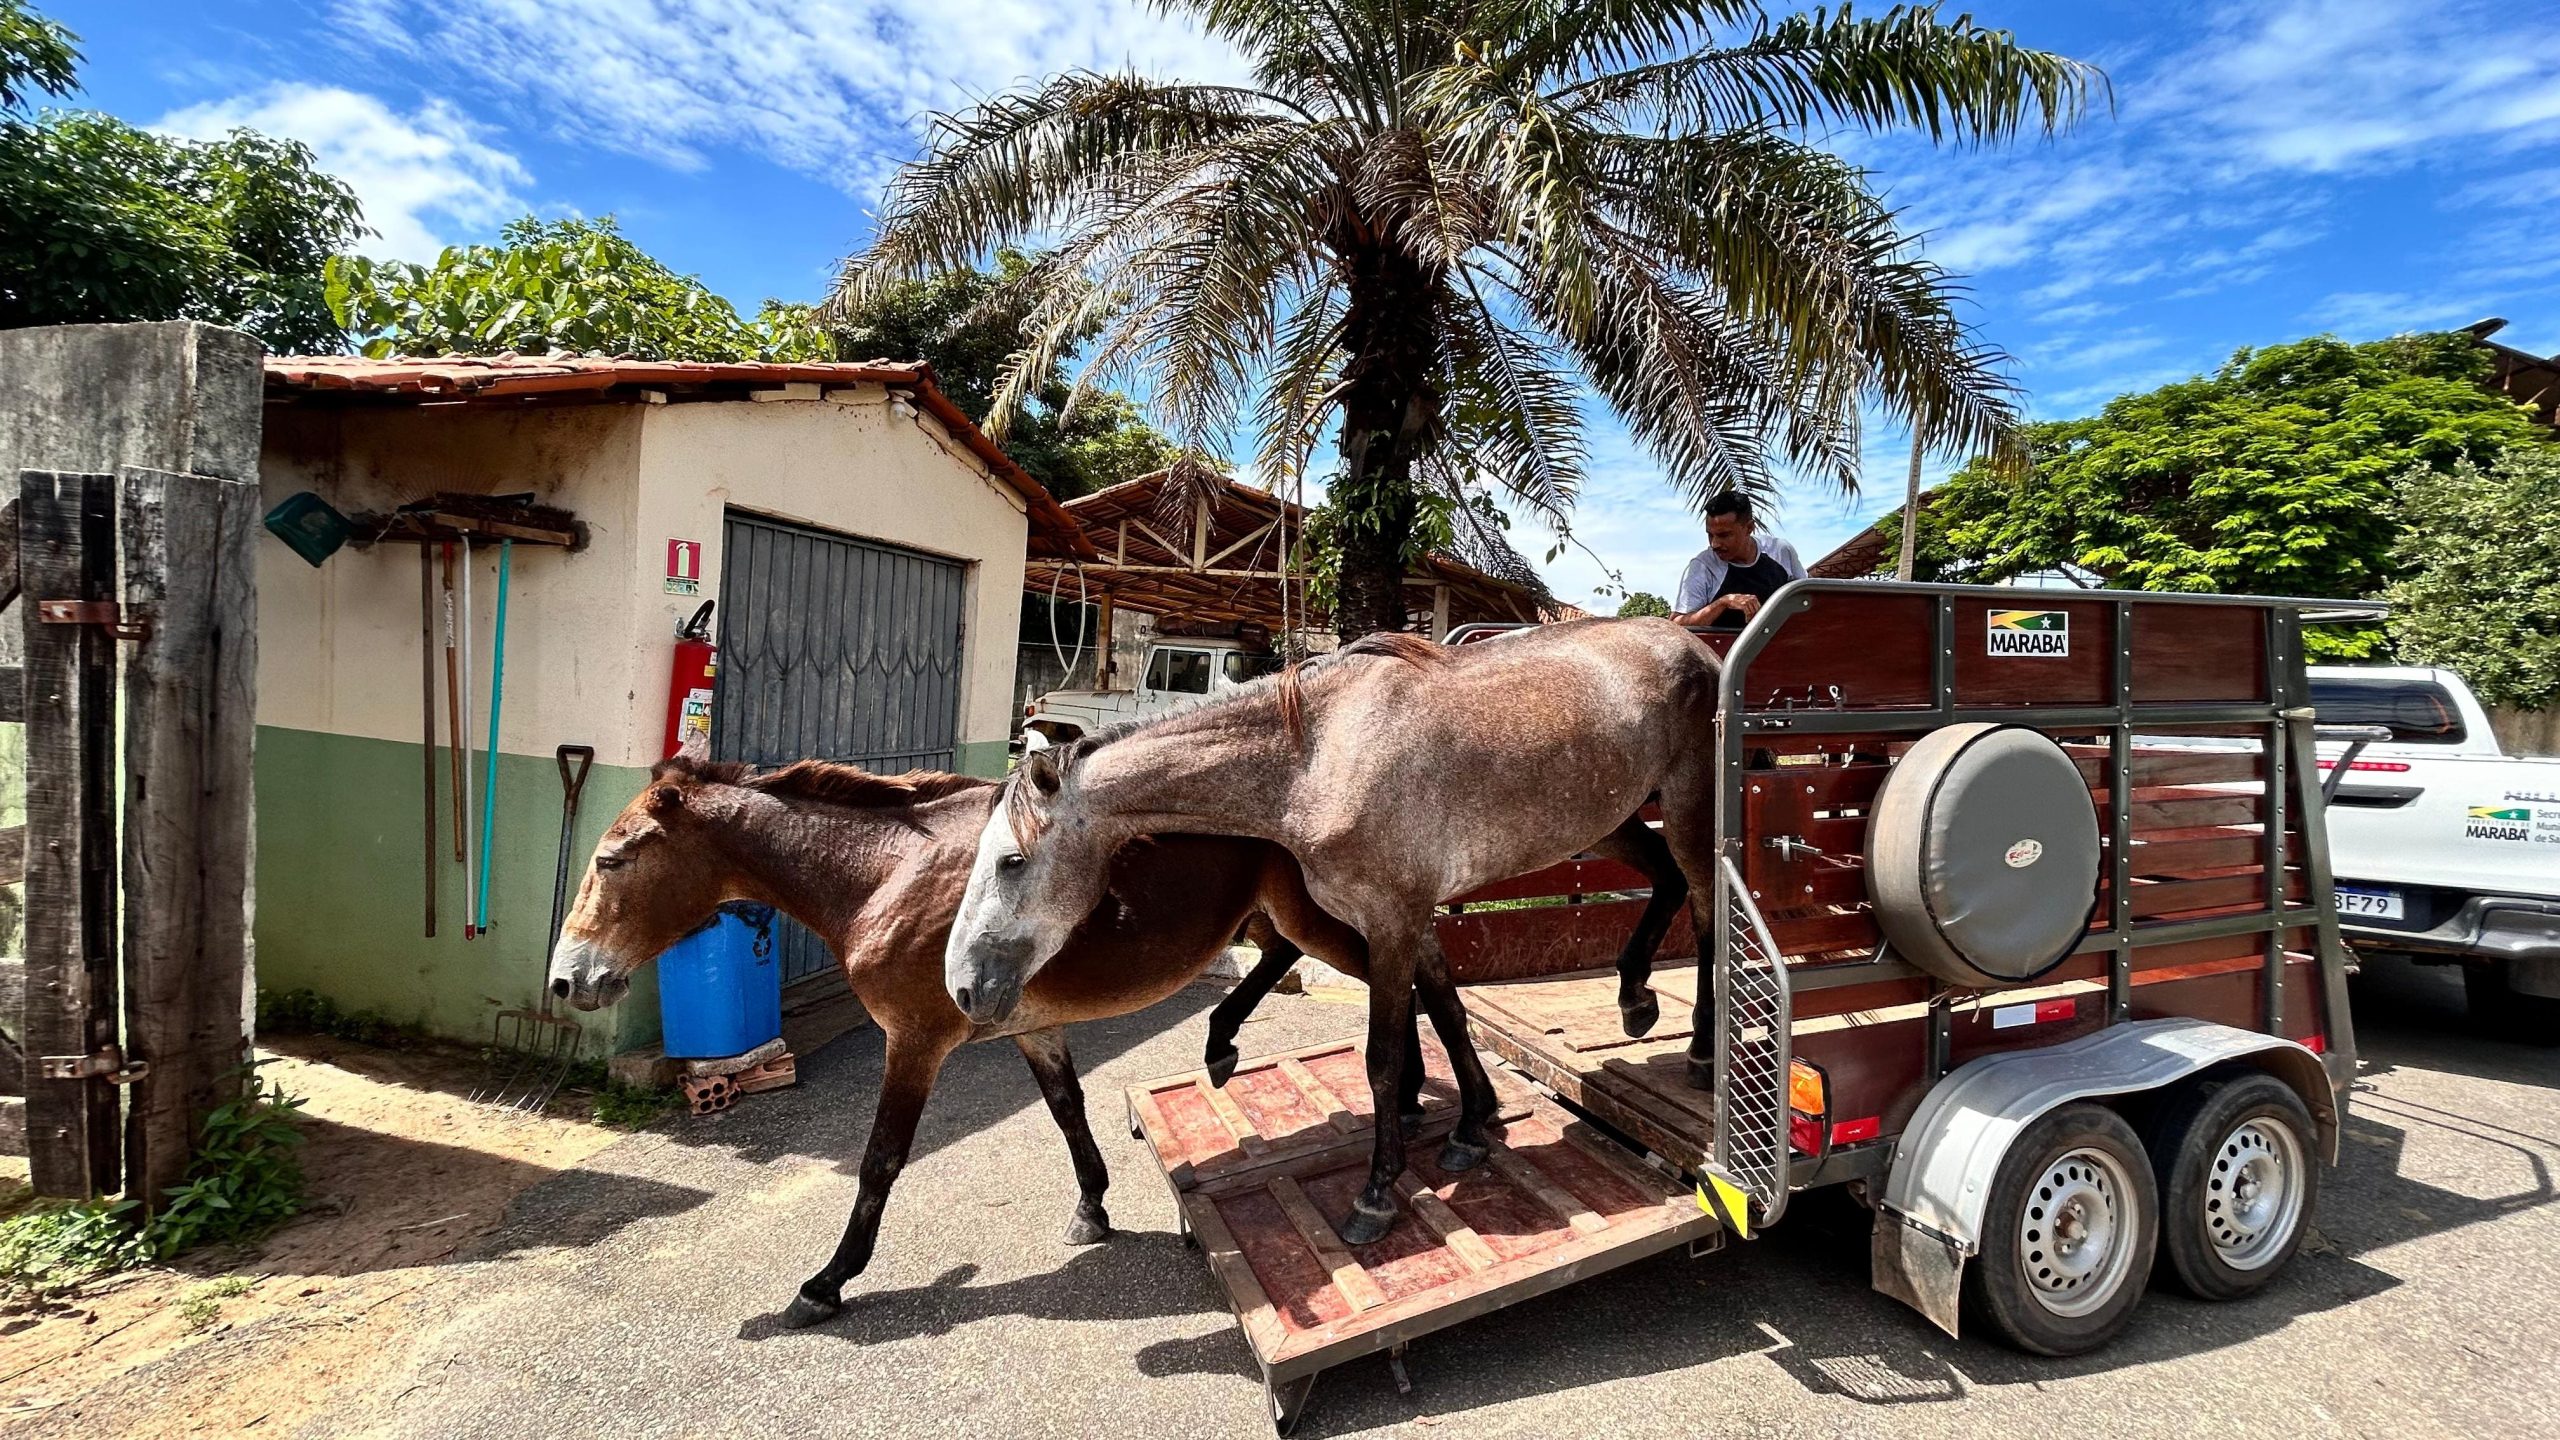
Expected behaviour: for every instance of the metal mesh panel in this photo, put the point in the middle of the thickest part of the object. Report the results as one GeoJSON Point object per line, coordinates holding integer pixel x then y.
{"type": "Point", "coordinates": [1753, 1008]}
{"type": "Point", "coordinates": [835, 649]}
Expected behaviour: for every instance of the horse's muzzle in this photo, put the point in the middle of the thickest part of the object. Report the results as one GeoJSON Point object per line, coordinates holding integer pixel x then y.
{"type": "Point", "coordinates": [585, 978]}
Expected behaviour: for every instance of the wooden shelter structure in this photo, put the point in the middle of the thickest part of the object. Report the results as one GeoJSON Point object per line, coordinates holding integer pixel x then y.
{"type": "Point", "coordinates": [1229, 565]}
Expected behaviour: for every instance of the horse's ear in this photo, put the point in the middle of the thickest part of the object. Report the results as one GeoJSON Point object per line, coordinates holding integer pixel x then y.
{"type": "Point", "coordinates": [664, 799]}
{"type": "Point", "coordinates": [1040, 772]}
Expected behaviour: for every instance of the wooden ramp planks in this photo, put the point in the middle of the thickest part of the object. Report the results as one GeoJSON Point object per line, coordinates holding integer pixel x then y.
{"type": "Point", "coordinates": [1556, 1201]}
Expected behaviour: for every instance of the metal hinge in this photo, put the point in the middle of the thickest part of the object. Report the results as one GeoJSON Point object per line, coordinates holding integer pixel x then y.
{"type": "Point", "coordinates": [108, 1064]}
{"type": "Point", "coordinates": [94, 612]}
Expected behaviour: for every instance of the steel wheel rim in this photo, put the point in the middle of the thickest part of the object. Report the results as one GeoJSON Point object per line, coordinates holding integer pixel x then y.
{"type": "Point", "coordinates": [2076, 1232]}
{"type": "Point", "coordinates": [2253, 1193]}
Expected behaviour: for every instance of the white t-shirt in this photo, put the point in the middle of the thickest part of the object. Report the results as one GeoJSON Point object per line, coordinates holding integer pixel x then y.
{"type": "Point", "coordinates": [1705, 575]}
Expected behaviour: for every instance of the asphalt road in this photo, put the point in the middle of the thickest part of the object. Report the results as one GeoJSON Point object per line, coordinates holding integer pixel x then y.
{"type": "Point", "coordinates": [635, 1297]}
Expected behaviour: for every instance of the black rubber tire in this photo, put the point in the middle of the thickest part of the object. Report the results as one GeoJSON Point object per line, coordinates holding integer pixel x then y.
{"type": "Point", "coordinates": [2186, 1146]}
{"type": "Point", "coordinates": [2496, 1010]}
{"type": "Point", "coordinates": [1998, 1295]}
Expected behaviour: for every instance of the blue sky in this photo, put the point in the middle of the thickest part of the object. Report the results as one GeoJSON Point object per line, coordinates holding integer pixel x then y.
{"type": "Point", "coordinates": [2269, 170]}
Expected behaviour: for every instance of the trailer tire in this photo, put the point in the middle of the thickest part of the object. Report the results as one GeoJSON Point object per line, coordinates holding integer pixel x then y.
{"type": "Point", "coordinates": [2077, 1177]}
{"type": "Point", "coordinates": [2237, 1160]}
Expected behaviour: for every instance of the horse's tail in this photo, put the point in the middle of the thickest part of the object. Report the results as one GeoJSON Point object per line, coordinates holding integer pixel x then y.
{"type": "Point", "coordinates": [1412, 649]}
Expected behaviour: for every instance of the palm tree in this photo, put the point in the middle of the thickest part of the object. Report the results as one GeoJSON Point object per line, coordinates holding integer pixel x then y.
{"type": "Point", "coordinates": [1433, 221]}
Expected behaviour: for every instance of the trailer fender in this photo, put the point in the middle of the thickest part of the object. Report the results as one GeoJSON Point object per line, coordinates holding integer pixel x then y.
{"type": "Point", "coordinates": [1931, 1220]}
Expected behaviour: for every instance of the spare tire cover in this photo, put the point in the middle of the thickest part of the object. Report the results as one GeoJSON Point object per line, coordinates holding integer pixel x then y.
{"type": "Point", "coordinates": [1983, 854]}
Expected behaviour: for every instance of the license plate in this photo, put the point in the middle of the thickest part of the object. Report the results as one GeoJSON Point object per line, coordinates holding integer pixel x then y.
{"type": "Point", "coordinates": [2381, 904]}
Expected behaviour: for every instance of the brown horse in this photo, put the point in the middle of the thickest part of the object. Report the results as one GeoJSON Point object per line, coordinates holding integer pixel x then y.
{"type": "Point", "coordinates": [1400, 773]}
{"type": "Point", "coordinates": [874, 865]}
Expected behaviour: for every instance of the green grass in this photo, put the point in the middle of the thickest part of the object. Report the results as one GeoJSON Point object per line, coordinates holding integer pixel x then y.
{"type": "Point", "coordinates": [308, 1012]}
{"type": "Point", "coordinates": [615, 1105]}
{"type": "Point", "coordinates": [245, 1180]}
{"type": "Point", "coordinates": [202, 1306]}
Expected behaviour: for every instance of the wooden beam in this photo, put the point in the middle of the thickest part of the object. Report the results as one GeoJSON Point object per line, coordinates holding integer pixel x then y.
{"type": "Point", "coordinates": [1250, 536]}
{"type": "Point", "coordinates": [189, 707]}
{"type": "Point", "coordinates": [66, 551]}
{"type": "Point", "coordinates": [9, 556]}
{"type": "Point", "coordinates": [13, 694]}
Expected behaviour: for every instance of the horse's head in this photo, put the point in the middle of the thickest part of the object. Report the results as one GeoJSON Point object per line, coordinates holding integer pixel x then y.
{"type": "Point", "coordinates": [1043, 864]}
{"type": "Point", "coordinates": [648, 886]}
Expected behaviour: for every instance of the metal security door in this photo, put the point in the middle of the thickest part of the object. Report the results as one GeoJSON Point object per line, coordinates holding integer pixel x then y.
{"type": "Point", "coordinates": [835, 649]}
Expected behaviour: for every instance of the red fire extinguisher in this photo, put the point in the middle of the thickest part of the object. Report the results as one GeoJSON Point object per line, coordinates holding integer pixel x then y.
{"type": "Point", "coordinates": [689, 684]}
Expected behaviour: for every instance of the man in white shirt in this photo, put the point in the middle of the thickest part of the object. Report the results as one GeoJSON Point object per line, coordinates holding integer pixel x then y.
{"type": "Point", "coordinates": [1741, 567]}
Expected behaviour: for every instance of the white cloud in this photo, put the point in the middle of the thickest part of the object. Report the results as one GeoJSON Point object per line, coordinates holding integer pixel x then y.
{"type": "Point", "coordinates": [2367, 314]}
{"type": "Point", "coordinates": [833, 88]}
{"type": "Point", "coordinates": [425, 178]}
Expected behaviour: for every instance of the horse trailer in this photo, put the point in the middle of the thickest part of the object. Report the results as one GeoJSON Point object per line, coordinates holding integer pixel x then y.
{"type": "Point", "coordinates": [2021, 931]}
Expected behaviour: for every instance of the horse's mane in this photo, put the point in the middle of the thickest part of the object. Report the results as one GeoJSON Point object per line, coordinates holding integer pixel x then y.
{"type": "Point", "coordinates": [1285, 687]}
{"type": "Point", "coordinates": [821, 780]}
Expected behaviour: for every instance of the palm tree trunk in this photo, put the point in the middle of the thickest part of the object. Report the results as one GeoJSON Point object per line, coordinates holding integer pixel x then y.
{"type": "Point", "coordinates": [1387, 411]}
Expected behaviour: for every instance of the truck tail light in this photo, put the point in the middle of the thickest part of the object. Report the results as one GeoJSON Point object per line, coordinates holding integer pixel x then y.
{"type": "Point", "coordinates": [2381, 767]}
{"type": "Point", "coordinates": [1808, 1090]}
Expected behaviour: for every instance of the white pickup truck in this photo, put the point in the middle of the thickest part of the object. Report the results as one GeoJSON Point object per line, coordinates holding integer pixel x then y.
{"type": "Point", "coordinates": [2443, 848]}
{"type": "Point", "coordinates": [1178, 673]}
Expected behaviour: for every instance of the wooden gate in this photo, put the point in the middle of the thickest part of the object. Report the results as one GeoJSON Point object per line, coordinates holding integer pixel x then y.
{"type": "Point", "coordinates": [129, 1006]}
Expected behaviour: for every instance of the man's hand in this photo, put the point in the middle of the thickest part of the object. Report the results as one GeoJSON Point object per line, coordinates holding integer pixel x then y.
{"type": "Point", "coordinates": [1744, 605]}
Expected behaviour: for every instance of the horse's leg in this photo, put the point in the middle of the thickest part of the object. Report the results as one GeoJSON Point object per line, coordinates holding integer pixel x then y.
{"type": "Point", "coordinates": [1055, 1069]}
{"type": "Point", "coordinates": [1688, 828]}
{"type": "Point", "coordinates": [1634, 843]}
{"type": "Point", "coordinates": [1373, 1213]}
{"type": "Point", "coordinates": [1409, 1084]}
{"type": "Point", "coordinates": [1472, 1140]}
{"type": "Point", "coordinates": [1277, 956]}
{"type": "Point", "coordinates": [906, 1080]}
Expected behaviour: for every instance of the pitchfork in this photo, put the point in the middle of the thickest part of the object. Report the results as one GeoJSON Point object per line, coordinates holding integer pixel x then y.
{"type": "Point", "coordinates": [534, 1049]}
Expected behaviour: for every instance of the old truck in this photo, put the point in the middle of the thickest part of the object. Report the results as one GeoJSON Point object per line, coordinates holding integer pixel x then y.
{"type": "Point", "coordinates": [2061, 1007]}
{"type": "Point", "coordinates": [1177, 673]}
{"type": "Point", "coordinates": [2447, 850]}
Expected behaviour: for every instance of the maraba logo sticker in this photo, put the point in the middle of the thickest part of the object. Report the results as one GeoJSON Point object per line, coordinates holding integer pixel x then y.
{"type": "Point", "coordinates": [2499, 822]}
{"type": "Point", "coordinates": [2030, 632]}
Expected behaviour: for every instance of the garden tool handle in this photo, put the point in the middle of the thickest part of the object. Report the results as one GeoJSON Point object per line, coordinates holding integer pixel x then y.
{"type": "Point", "coordinates": [571, 782]}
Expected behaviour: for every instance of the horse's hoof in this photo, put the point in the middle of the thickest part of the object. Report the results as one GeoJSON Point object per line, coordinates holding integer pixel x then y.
{"type": "Point", "coordinates": [805, 1312]}
{"type": "Point", "coordinates": [1367, 1226]}
{"type": "Point", "coordinates": [1222, 1066]}
{"type": "Point", "coordinates": [1640, 1018]}
{"type": "Point", "coordinates": [1411, 1120]}
{"type": "Point", "coordinates": [1702, 1076]}
{"type": "Point", "coordinates": [1090, 1229]}
{"type": "Point", "coordinates": [1458, 1155]}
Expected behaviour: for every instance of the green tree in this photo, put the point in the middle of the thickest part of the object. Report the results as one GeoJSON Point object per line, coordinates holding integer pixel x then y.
{"type": "Point", "coordinates": [2273, 475]}
{"type": "Point", "coordinates": [1644, 602]}
{"type": "Point", "coordinates": [967, 324]}
{"type": "Point", "coordinates": [106, 222]}
{"type": "Point", "coordinates": [1427, 223]}
{"type": "Point", "coordinates": [572, 284]}
{"type": "Point", "coordinates": [2482, 593]}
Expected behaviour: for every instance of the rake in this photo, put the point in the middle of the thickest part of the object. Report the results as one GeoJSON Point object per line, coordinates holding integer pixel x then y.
{"type": "Point", "coordinates": [534, 1050]}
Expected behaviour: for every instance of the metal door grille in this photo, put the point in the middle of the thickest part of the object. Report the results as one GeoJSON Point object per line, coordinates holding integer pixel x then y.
{"type": "Point", "coordinates": [1754, 1005]}
{"type": "Point", "coordinates": [835, 649]}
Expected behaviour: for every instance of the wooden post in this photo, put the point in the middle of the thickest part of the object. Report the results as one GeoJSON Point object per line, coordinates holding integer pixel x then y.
{"type": "Point", "coordinates": [66, 551]}
{"type": "Point", "coordinates": [1102, 657]}
{"type": "Point", "coordinates": [190, 708]}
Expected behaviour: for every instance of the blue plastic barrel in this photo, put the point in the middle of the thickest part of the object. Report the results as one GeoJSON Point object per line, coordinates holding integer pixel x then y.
{"type": "Point", "coordinates": [720, 988]}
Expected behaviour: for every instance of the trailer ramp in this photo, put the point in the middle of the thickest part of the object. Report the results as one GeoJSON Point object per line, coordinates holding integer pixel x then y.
{"type": "Point", "coordinates": [1266, 1168]}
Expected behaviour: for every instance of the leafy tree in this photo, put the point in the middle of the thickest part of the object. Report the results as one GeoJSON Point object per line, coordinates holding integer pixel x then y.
{"type": "Point", "coordinates": [1644, 602]}
{"type": "Point", "coordinates": [2273, 475]}
{"type": "Point", "coordinates": [106, 222]}
{"type": "Point", "coordinates": [968, 323]}
{"type": "Point", "coordinates": [1427, 223]}
{"type": "Point", "coordinates": [572, 284]}
{"type": "Point", "coordinates": [2483, 589]}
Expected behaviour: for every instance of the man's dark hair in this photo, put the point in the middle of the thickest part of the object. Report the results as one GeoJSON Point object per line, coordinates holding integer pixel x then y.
{"type": "Point", "coordinates": [1733, 503]}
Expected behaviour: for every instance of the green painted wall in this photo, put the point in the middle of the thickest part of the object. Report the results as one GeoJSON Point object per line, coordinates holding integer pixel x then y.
{"type": "Point", "coordinates": [339, 888]}
{"type": "Point", "coordinates": [986, 758]}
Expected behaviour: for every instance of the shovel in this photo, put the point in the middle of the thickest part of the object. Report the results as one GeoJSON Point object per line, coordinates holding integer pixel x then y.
{"type": "Point", "coordinates": [534, 1049]}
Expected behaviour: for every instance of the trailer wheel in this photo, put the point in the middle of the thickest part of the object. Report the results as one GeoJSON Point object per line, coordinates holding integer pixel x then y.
{"type": "Point", "coordinates": [2239, 1179]}
{"type": "Point", "coordinates": [2068, 1237]}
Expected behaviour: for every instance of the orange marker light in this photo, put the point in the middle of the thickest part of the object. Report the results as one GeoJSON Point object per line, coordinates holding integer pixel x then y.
{"type": "Point", "coordinates": [1807, 1091]}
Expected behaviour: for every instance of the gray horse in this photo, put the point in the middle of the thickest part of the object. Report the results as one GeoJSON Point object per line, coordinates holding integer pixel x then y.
{"type": "Point", "coordinates": [1399, 773]}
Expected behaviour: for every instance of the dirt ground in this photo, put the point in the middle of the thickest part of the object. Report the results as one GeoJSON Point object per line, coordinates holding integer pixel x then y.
{"type": "Point", "coordinates": [401, 1169]}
